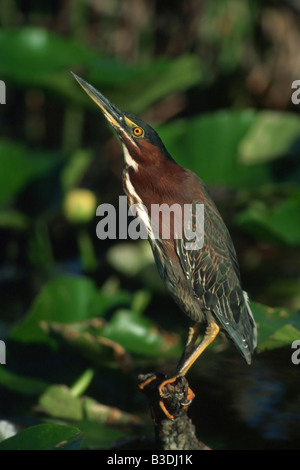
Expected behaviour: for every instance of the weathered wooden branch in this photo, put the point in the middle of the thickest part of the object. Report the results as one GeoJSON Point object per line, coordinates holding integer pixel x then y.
{"type": "Point", "coordinates": [177, 433]}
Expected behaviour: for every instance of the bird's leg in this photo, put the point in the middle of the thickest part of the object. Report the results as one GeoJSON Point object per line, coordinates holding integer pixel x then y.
{"type": "Point", "coordinates": [194, 331]}
{"type": "Point", "coordinates": [171, 385]}
{"type": "Point", "coordinates": [189, 356]}
{"type": "Point", "coordinates": [188, 360]}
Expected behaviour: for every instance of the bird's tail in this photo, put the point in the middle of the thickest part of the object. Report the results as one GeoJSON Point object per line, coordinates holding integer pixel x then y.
{"type": "Point", "coordinates": [246, 329]}
{"type": "Point", "coordinates": [243, 333]}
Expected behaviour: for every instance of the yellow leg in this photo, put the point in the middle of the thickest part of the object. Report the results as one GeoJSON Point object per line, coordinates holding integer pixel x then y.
{"type": "Point", "coordinates": [190, 343]}
{"type": "Point", "coordinates": [188, 359]}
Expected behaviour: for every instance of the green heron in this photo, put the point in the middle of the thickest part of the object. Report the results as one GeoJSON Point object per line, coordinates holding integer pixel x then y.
{"type": "Point", "coordinates": [205, 282]}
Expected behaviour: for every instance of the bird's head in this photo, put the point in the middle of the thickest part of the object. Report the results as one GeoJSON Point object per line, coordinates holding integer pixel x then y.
{"type": "Point", "coordinates": [141, 143]}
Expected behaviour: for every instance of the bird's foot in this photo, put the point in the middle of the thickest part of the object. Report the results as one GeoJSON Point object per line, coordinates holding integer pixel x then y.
{"type": "Point", "coordinates": [177, 386]}
{"type": "Point", "coordinates": [173, 395]}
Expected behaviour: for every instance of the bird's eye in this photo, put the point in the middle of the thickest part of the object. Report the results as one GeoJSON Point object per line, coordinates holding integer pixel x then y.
{"type": "Point", "coordinates": [137, 131]}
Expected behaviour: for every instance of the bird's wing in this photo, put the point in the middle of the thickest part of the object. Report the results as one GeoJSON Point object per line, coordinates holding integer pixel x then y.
{"type": "Point", "coordinates": [213, 269]}
{"type": "Point", "coordinates": [214, 274]}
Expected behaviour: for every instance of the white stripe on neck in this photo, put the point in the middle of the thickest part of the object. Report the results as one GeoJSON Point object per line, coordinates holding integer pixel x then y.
{"type": "Point", "coordinates": [133, 197]}
{"type": "Point", "coordinates": [129, 160]}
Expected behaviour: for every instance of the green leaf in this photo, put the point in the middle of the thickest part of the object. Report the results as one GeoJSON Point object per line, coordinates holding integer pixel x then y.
{"type": "Point", "coordinates": [231, 147]}
{"type": "Point", "coordinates": [284, 290]}
{"type": "Point", "coordinates": [137, 87]}
{"type": "Point", "coordinates": [65, 299]}
{"type": "Point", "coordinates": [13, 219]}
{"type": "Point", "coordinates": [86, 338]}
{"type": "Point", "coordinates": [58, 402]}
{"type": "Point", "coordinates": [271, 135]}
{"type": "Point", "coordinates": [141, 300]}
{"type": "Point", "coordinates": [19, 166]}
{"type": "Point", "coordinates": [82, 382]}
{"type": "Point", "coordinates": [209, 146]}
{"type": "Point", "coordinates": [37, 57]}
{"type": "Point", "coordinates": [30, 55]}
{"type": "Point", "coordinates": [76, 165]}
{"type": "Point", "coordinates": [139, 335]}
{"type": "Point", "coordinates": [98, 436]}
{"type": "Point", "coordinates": [277, 327]}
{"type": "Point", "coordinates": [278, 224]}
{"type": "Point", "coordinates": [95, 411]}
{"type": "Point", "coordinates": [162, 78]}
{"type": "Point", "coordinates": [44, 437]}
{"type": "Point", "coordinates": [21, 384]}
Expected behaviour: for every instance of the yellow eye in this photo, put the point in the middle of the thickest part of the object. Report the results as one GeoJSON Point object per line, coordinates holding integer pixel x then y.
{"type": "Point", "coordinates": [138, 131]}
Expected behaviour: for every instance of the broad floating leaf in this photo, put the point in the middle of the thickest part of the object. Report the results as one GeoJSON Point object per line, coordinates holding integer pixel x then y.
{"type": "Point", "coordinates": [271, 136]}
{"type": "Point", "coordinates": [138, 335]}
{"type": "Point", "coordinates": [31, 54]}
{"type": "Point", "coordinates": [277, 327]}
{"type": "Point", "coordinates": [44, 437]}
{"type": "Point", "coordinates": [21, 384]}
{"type": "Point", "coordinates": [36, 57]}
{"type": "Point", "coordinates": [86, 338]}
{"type": "Point", "coordinates": [98, 436]}
{"type": "Point", "coordinates": [279, 224]}
{"type": "Point", "coordinates": [58, 402]}
{"type": "Point", "coordinates": [65, 299]}
{"type": "Point", "coordinates": [209, 145]}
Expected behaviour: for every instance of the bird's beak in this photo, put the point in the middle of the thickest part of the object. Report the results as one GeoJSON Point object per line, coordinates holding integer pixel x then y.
{"type": "Point", "coordinates": [112, 113]}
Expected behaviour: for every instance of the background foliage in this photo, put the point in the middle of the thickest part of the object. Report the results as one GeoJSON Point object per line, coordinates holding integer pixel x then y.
{"type": "Point", "coordinates": [82, 317]}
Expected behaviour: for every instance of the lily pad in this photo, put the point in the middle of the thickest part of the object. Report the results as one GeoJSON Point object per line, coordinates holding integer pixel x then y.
{"type": "Point", "coordinates": [86, 338]}
{"type": "Point", "coordinates": [21, 384]}
{"type": "Point", "coordinates": [209, 146]}
{"type": "Point", "coordinates": [65, 299]}
{"type": "Point", "coordinates": [277, 327]}
{"type": "Point", "coordinates": [138, 335]}
{"type": "Point", "coordinates": [58, 401]}
{"type": "Point", "coordinates": [98, 436]}
{"type": "Point", "coordinates": [270, 136]}
{"type": "Point", "coordinates": [44, 437]}
{"type": "Point", "coordinates": [279, 224]}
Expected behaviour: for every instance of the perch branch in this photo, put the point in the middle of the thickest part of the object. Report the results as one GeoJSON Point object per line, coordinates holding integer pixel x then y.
{"type": "Point", "coordinates": [177, 433]}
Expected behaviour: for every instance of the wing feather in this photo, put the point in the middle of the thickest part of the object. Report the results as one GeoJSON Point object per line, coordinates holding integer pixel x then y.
{"type": "Point", "coordinates": [214, 274]}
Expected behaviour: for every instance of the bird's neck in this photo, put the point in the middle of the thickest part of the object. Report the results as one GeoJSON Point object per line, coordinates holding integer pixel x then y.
{"type": "Point", "coordinates": [152, 184]}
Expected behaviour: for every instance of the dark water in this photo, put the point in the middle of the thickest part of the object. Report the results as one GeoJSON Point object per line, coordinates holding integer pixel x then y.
{"type": "Point", "coordinates": [247, 407]}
